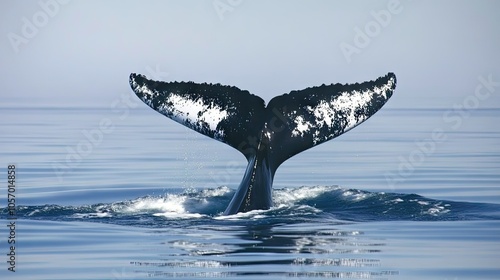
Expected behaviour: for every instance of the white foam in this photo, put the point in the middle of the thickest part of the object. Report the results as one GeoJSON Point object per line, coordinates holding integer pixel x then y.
{"type": "Point", "coordinates": [92, 215]}
{"type": "Point", "coordinates": [290, 196]}
{"type": "Point", "coordinates": [254, 214]}
{"type": "Point", "coordinates": [171, 206]}
{"type": "Point", "coordinates": [174, 215]}
{"type": "Point", "coordinates": [170, 203]}
{"type": "Point", "coordinates": [356, 195]}
{"type": "Point", "coordinates": [437, 209]}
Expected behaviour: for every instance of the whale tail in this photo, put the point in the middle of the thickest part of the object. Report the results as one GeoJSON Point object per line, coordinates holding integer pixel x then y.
{"type": "Point", "coordinates": [266, 135]}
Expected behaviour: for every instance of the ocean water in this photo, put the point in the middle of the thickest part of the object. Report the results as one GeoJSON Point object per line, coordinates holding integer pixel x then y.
{"type": "Point", "coordinates": [125, 193]}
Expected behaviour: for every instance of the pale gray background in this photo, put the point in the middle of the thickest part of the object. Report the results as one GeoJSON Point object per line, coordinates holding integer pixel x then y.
{"type": "Point", "coordinates": [85, 52]}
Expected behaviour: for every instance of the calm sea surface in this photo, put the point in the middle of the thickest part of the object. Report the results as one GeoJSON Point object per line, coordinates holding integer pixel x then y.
{"type": "Point", "coordinates": [126, 193]}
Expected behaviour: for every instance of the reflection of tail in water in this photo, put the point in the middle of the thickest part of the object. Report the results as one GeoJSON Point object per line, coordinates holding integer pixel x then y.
{"type": "Point", "coordinates": [337, 253]}
{"type": "Point", "coordinates": [291, 205]}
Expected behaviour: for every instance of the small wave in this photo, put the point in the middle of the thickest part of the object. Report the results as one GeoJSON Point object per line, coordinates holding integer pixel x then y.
{"type": "Point", "coordinates": [291, 204]}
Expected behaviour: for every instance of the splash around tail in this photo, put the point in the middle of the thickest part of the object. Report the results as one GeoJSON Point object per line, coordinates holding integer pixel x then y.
{"type": "Point", "coordinates": [183, 208]}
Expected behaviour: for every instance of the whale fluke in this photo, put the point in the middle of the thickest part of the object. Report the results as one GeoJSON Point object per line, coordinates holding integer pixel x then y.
{"type": "Point", "coordinates": [266, 135]}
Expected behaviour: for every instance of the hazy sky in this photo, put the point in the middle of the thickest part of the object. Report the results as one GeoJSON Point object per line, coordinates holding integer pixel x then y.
{"type": "Point", "coordinates": [82, 52]}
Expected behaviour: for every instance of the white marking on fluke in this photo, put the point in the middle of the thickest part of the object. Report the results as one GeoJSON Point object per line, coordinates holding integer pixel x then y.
{"type": "Point", "coordinates": [185, 109]}
{"type": "Point", "coordinates": [347, 104]}
{"type": "Point", "coordinates": [302, 126]}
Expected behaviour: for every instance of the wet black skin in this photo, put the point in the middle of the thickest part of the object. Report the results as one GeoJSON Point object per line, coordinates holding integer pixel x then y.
{"type": "Point", "coordinates": [255, 189]}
